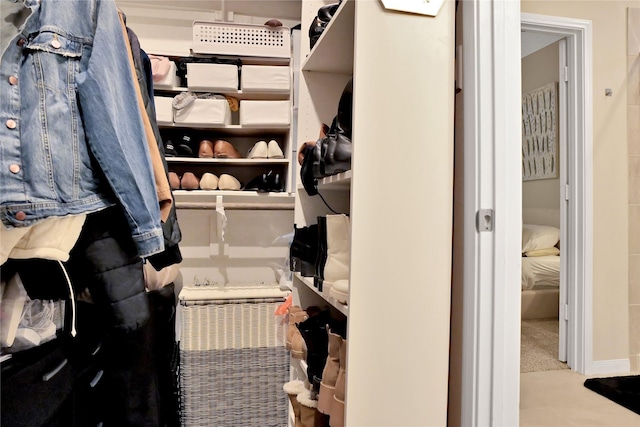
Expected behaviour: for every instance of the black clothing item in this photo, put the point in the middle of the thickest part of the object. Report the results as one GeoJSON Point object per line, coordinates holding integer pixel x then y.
{"type": "Point", "coordinates": [105, 261]}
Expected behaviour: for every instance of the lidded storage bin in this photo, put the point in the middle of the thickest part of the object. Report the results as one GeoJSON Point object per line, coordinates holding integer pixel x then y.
{"type": "Point", "coordinates": [265, 78]}
{"type": "Point", "coordinates": [264, 113]}
{"type": "Point", "coordinates": [204, 111]}
{"type": "Point", "coordinates": [164, 109]}
{"type": "Point", "coordinates": [212, 77]}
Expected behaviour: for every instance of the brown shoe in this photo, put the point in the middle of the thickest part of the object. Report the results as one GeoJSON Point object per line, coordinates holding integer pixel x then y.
{"type": "Point", "coordinates": [189, 181]}
{"type": "Point", "coordinates": [224, 150]}
{"type": "Point", "coordinates": [174, 181]}
{"type": "Point", "coordinates": [206, 149]}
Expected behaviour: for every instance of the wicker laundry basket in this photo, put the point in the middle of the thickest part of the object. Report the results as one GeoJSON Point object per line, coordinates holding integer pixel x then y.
{"type": "Point", "coordinates": [233, 362]}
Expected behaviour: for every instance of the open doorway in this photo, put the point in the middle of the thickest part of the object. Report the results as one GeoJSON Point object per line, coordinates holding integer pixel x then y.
{"type": "Point", "coordinates": [575, 181]}
{"type": "Point", "coordinates": [544, 140]}
{"type": "Point", "coordinates": [492, 187]}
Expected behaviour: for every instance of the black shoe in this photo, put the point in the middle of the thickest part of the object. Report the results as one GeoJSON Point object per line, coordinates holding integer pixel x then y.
{"type": "Point", "coordinates": [321, 258]}
{"type": "Point", "coordinates": [314, 333]}
{"type": "Point", "coordinates": [304, 250]}
{"type": "Point", "coordinates": [183, 149]}
{"type": "Point", "coordinates": [169, 149]}
{"type": "Point", "coordinates": [264, 183]}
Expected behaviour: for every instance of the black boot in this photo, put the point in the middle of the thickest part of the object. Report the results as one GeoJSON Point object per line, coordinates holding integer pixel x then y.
{"type": "Point", "coordinates": [303, 250]}
{"type": "Point", "coordinates": [314, 333]}
{"type": "Point", "coordinates": [322, 253]}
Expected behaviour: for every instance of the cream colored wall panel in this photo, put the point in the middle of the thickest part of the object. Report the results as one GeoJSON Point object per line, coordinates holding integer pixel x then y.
{"type": "Point", "coordinates": [633, 126]}
{"type": "Point", "coordinates": [610, 175]}
{"type": "Point", "coordinates": [634, 180]}
{"type": "Point", "coordinates": [401, 246]}
{"type": "Point", "coordinates": [633, 83]}
{"type": "Point", "coordinates": [633, 24]}
{"type": "Point", "coordinates": [634, 279]}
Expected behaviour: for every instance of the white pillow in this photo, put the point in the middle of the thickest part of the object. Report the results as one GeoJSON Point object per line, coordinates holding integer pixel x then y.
{"type": "Point", "coordinates": [535, 237]}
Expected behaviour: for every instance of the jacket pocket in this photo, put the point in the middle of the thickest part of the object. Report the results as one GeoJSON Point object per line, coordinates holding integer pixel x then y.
{"type": "Point", "coordinates": [54, 42]}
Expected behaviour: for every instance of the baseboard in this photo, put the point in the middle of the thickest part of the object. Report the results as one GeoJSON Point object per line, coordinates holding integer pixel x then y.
{"type": "Point", "coordinates": [613, 366]}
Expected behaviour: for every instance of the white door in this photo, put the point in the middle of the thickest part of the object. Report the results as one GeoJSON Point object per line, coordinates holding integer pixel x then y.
{"type": "Point", "coordinates": [563, 314]}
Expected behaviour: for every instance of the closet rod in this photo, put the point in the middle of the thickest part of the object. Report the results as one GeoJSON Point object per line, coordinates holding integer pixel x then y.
{"type": "Point", "coordinates": [236, 206]}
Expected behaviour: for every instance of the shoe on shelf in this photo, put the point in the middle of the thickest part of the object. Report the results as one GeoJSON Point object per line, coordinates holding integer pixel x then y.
{"type": "Point", "coordinates": [183, 149]}
{"type": "Point", "coordinates": [208, 181]}
{"type": "Point", "coordinates": [303, 250]}
{"type": "Point", "coordinates": [340, 291]}
{"type": "Point", "coordinates": [174, 181]}
{"type": "Point", "coordinates": [259, 184]}
{"type": "Point", "coordinates": [169, 149]}
{"type": "Point", "coordinates": [293, 389]}
{"type": "Point", "coordinates": [274, 151]}
{"type": "Point", "coordinates": [330, 373]}
{"type": "Point", "coordinates": [225, 150]}
{"type": "Point", "coordinates": [260, 150]}
{"type": "Point", "coordinates": [228, 182]}
{"type": "Point", "coordinates": [205, 150]}
{"type": "Point", "coordinates": [189, 181]}
{"type": "Point", "coordinates": [265, 182]}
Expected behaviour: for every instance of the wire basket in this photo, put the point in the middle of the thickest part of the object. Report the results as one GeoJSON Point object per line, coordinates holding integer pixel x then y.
{"type": "Point", "coordinates": [224, 38]}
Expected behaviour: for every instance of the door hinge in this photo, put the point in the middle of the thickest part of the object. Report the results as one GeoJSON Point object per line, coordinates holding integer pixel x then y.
{"type": "Point", "coordinates": [564, 190]}
{"type": "Point", "coordinates": [566, 73]}
{"type": "Point", "coordinates": [565, 312]}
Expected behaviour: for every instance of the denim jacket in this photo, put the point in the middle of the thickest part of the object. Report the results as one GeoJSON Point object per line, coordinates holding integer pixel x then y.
{"type": "Point", "coordinates": [71, 135]}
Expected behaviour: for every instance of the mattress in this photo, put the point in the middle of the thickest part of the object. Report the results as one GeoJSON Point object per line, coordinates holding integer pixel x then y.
{"type": "Point", "coordinates": [540, 271]}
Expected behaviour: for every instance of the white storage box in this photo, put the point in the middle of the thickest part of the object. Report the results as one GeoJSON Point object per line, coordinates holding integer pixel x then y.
{"type": "Point", "coordinates": [264, 113]}
{"type": "Point", "coordinates": [170, 80]}
{"type": "Point", "coordinates": [204, 111]}
{"type": "Point", "coordinates": [265, 78]}
{"type": "Point", "coordinates": [227, 38]}
{"type": "Point", "coordinates": [164, 109]}
{"type": "Point", "coordinates": [212, 77]}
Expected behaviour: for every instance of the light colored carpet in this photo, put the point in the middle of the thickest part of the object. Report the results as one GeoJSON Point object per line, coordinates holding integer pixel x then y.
{"type": "Point", "coordinates": [539, 346]}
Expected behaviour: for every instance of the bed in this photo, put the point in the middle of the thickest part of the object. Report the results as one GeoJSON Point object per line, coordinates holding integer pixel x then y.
{"type": "Point", "coordinates": [540, 271]}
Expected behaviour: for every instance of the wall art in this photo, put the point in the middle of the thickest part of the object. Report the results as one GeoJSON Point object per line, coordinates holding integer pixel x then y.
{"type": "Point", "coordinates": [539, 133]}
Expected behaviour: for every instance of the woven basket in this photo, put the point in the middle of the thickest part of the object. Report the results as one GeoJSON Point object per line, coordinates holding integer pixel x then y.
{"type": "Point", "coordinates": [233, 363]}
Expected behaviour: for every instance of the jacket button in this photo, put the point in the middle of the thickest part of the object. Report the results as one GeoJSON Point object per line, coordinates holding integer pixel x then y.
{"type": "Point", "coordinates": [21, 42]}
{"type": "Point", "coordinates": [13, 80]}
{"type": "Point", "coordinates": [20, 216]}
{"type": "Point", "coordinates": [56, 44]}
{"type": "Point", "coordinates": [11, 124]}
{"type": "Point", "coordinates": [14, 168]}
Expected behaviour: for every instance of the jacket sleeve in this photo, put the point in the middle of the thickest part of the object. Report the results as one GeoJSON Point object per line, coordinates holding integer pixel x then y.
{"type": "Point", "coordinates": [114, 129]}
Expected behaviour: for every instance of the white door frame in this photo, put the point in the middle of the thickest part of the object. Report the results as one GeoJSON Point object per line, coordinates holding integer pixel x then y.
{"type": "Point", "coordinates": [577, 176]}
{"type": "Point", "coordinates": [493, 182]}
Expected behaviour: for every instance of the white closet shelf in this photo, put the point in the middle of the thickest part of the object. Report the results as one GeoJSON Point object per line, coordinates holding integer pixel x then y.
{"type": "Point", "coordinates": [195, 196]}
{"type": "Point", "coordinates": [276, 95]}
{"type": "Point", "coordinates": [227, 161]}
{"type": "Point", "coordinates": [333, 52]}
{"type": "Point", "coordinates": [341, 181]}
{"type": "Point", "coordinates": [228, 129]}
{"type": "Point", "coordinates": [308, 281]}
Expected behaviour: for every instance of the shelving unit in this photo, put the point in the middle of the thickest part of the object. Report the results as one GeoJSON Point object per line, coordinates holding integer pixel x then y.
{"type": "Point", "coordinates": [242, 137]}
{"type": "Point", "coordinates": [398, 195]}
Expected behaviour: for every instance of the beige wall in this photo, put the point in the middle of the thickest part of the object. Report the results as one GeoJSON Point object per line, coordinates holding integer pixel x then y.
{"type": "Point", "coordinates": [610, 172]}
{"type": "Point", "coordinates": [633, 127]}
{"type": "Point", "coordinates": [539, 69]}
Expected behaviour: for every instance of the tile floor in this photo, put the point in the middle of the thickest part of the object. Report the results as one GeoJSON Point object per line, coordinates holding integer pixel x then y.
{"type": "Point", "coordinates": [559, 399]}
